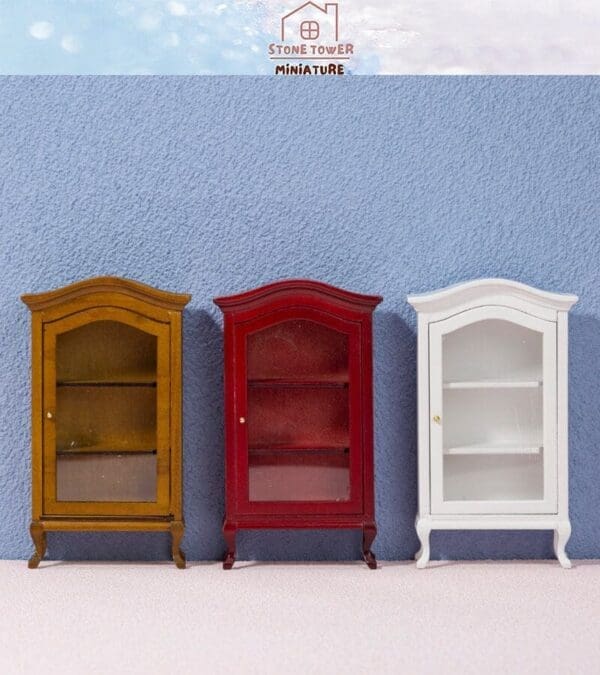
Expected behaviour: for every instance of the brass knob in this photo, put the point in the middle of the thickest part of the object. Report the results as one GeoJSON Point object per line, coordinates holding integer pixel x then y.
{"type": "Point", "coordinates": [49, 415]}
{"type": "Point", "coordinates": [242, 420]}
{"type": "Point", "coordinates": [437, 419]}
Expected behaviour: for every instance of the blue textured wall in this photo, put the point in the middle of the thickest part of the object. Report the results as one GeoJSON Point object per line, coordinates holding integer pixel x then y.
{"type": "Point", "coordinates": [381, 185]}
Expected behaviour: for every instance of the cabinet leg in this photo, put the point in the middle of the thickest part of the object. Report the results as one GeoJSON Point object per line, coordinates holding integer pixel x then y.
{"type": "Point", "coordinates": [561, 537]}
{"type": "Point", "coordinates": [418, 553]}
{"type": "Point", "coordinates": [369, 533]}
{"type": "Point", "coordinates": [176, 537]}
{"type": "Point", "coordinates": [423, 528]}
{"type": "Point", "coordinates": [229, 533]}
{"type": "Point", "coordinates": [38, 535]}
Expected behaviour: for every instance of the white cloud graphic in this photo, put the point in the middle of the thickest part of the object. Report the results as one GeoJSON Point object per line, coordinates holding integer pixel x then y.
{"type": "Point", "coordinates": [41, 30]}
{"type": "Point", "coordinates": [149, 21]}
{"type": "Point", "coordinates": [70, 44]}
{"type": "Point", "coordinates": [177, 8]}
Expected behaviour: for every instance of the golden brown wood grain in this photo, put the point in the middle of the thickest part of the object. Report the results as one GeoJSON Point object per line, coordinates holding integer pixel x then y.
{"type": "Point", "coordinates": [106, 378]}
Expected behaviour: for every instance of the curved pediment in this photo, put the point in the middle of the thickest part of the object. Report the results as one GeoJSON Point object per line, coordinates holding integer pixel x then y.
{"type": "Point", "coordinates": [134, 289]}
{"type": "Point", "coordinates": [288, 286]}
{"type": "Point", "coordinates": [469, 292]}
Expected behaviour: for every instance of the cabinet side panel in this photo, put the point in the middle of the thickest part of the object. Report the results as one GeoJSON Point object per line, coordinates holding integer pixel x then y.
{"type": "Point", "coordinates": [37, 374]}
{"type": "Point", "coordinates": [550, 420]}
{"type": "Point", "coordinates": [176, 463]}
{"type": "Point", "coordinates": [229, 369]}
{"type": "Point", "coordinates": [423, 415]}
{"type": "Point", "coordinates": [562, 441]}
{"type": "Point", "coordinates": [367, 416]}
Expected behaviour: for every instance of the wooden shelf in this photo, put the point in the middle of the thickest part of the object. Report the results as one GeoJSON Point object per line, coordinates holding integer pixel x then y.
{"type": "Point", "coordinates": [493, 384]}
{"type": "Point", "coordinates": [312, 381]}
{"type": "Point", "coordinates": [508, 449]}
{"type": "Point", "coordinates": [283, 447]}
{"type": "Point", "coordinates": [103, 450]}
{"type": "Point", "coordinates": [124, 380]}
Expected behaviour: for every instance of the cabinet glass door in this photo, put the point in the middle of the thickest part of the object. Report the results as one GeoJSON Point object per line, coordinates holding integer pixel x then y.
{"type": "Point", "coordinates": [493, 400]}
{"type": "Point", "coordinates": [106, 432]}
{"type": "Point", "coordinates": [298, 427]}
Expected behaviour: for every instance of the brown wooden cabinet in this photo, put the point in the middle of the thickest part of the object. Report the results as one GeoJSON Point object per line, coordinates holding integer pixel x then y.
{"type": "Point", "coordinates": [106, 410]}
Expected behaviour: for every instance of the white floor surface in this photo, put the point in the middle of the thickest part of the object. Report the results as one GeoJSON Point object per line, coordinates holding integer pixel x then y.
{"type": "Point", "coordinates": [482, 617]}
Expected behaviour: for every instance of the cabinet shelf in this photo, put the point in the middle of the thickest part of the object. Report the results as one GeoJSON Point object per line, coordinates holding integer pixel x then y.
{"type": "Point", "coordinates": [313, 381]}
{"type": "Point", "coordinates": [514, 449]}
{"type": "Point", "coordinates": [335, 439]}
{"type": "Point", "coordinates": [494, 384]}
{"type": "Point", "coordinates": [103, 450]}
{"type": "Point", "coordinates": [284, 447]}
{"type": "Point", "coordinates": [125, 380]}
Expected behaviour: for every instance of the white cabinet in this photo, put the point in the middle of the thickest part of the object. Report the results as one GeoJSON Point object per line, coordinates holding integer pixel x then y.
{"type": "Point", "coordinates": [493, 406]}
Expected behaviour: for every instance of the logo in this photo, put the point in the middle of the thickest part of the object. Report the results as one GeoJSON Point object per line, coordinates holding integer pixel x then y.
{"type": "Point", "coordinates": [307, 23]}
{"type": "Point", "coordinates": [311, 33]}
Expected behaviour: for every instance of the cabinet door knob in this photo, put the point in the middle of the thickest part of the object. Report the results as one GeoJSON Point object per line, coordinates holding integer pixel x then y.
{"type": "Point", "coordinates": [242, 420]}
{"type": "Point", "coordinates": [437, 419]}
{"type": "Point", "coordinates": [49, 415]}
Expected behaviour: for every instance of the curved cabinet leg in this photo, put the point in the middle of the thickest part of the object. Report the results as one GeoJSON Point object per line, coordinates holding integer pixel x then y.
{"type": "Point", "coordinates": [176, 537]}
{"type": "Point", "coordinates": [418, 553]}
{"type": "Point", "coordinates": [423, 528]}
{"type": "Point", "coordinates": [38, 535]}
{"type": "Point", "coordinates": [229, 533]}
{"type": "Point", "coordinates": [369, 534]}
{"type": "Point", "coordinates": [561, 537]}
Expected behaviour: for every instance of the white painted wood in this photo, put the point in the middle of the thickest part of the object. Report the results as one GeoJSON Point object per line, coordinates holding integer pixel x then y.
{"type": "Point", "coordinates": [423, 415]}
{"type": "Point", "coordinates": [494, 384]}
{"type": "Point", "coordinates": [561, 536]}
{"type": "Point", "coordinates": [494, 522]}
{"type": "Point", "coordinates": [494, 450]}
{"type": "Point", "coordinates": [437, 418]}
{"type": "Point", "coordinates": [492, 410]}
{"type": "Point", "coordinates": [550, 420]}
{"type": "Point", "coordinates": [562, 453]}
{"type": "Point", "coordinates": [473, 293]}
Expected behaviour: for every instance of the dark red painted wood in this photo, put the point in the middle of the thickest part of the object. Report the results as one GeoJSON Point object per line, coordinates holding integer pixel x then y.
{"type": "Point", "coordinates": [298, 410]}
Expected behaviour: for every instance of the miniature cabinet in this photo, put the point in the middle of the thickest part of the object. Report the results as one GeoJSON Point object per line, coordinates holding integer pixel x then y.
{"type": "Point", "coordinates": [106, 410]}
{"type": "Point", "coordinates": [492, 379]}
{"type": "Point", "coordinates": [298, 410]}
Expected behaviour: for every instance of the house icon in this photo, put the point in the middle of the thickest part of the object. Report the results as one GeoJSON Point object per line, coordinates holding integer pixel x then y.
{"type": "Point", "coordinates": [311, 22]}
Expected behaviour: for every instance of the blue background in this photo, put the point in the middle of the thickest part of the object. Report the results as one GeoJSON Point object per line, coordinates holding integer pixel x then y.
{"type": "Point", "coordinates": [381, 185]}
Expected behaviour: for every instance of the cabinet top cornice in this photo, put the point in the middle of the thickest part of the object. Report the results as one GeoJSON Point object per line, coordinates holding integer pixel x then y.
{"type": "Point", "coordinates": [297, 286]}
{"type": "Point", "coordinates": [472, 291]}
{"type": "Point", "coordinates": [134, 289]}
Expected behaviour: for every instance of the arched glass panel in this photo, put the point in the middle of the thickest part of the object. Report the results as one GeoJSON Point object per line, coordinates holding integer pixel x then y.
{"type": "Point", "coordinates": [106, 376]}
{"type": "Point", "coordinates": [493, 412]}
{"type": "Point", "coordinates": [298, 413]}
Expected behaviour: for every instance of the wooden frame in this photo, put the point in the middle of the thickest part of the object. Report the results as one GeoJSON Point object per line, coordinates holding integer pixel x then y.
{"type": "Point", "coordinates": [545, 314]}
{"type": "Point", "coordinates": [151, 312]}
{"type": "Point", "coordinates": [331, 309]}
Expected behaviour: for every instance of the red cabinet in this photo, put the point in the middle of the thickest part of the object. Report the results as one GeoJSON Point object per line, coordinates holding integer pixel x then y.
{"type": "Point", "coordinates": [298, 410]}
